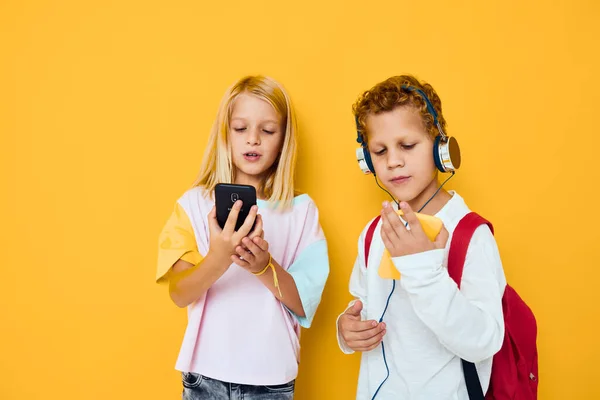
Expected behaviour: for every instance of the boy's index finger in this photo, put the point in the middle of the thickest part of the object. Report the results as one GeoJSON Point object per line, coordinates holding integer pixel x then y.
{"type": "Point", "coordinates": [391, 218]}
{"type": "Point", "coordinates": [361, 326]}
{"type": "Point", "coordinates": [410, 217]}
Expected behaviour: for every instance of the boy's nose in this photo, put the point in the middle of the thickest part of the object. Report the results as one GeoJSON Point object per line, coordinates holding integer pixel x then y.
{"type": "Point", "coordinates": [394, 160]}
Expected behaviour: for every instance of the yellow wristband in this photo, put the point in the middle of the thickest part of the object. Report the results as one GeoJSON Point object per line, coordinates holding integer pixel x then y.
{"type": "Point", "coordinates": [275, 280]}
{"type": "Point", "coordinates": [266, 268]}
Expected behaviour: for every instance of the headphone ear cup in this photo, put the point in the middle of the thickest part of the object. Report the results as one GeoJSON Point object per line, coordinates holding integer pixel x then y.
{"type": "Point", "coordinates": [368, 160]}
{"type": "Point", "coordinates": [446, 154]}
{"type": "Point", "coordinates": [453, 153]}
{"type": "Point", "coordinates": [364, 160]}
{"type": "Point", "coordinates": [436, 154]}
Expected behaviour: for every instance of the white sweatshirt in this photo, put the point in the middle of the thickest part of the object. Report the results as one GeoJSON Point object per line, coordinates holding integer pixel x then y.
{"type": "Point", "coordinates": [431, 325]}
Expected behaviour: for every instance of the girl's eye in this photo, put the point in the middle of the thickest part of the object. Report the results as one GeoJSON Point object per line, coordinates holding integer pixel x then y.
{"type": "Point", "coordinates": [239, 129]}
{"type": "Point", "coordinates": [268, 131]}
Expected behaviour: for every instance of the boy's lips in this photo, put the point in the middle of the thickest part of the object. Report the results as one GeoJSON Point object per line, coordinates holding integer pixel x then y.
{"type": "Point", "coordinates": [399, 179]}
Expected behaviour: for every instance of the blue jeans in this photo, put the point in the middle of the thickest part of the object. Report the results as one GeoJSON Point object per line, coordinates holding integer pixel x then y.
{"type": "Point", "coordinates": [199, 387]}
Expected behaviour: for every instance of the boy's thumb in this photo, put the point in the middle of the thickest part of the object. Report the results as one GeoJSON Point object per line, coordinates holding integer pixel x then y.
{"type": "Point", "coordinates": [356, 308]}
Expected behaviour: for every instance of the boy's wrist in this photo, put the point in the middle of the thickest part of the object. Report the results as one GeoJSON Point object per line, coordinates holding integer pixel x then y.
{"type": "Point", "coordinates": [419, 263]}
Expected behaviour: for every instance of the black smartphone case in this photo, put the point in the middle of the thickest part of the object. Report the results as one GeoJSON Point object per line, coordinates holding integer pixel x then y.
{"type": "Point", "coordinates": [226, 195]}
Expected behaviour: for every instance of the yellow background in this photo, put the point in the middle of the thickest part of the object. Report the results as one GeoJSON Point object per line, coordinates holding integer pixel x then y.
{"type": "Point", "coordinates": [105, 108]}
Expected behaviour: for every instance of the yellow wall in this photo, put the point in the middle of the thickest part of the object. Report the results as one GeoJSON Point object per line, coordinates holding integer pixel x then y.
{"type": "Point", "coordinates": [105, 109]}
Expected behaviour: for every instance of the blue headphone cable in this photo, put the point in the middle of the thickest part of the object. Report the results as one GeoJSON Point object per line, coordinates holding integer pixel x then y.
{"type": "Point", "coordinates": [387, 303]}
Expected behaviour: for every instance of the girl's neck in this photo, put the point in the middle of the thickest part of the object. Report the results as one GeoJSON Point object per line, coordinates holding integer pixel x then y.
{"type": "Point", "coordinates": [255, 181]}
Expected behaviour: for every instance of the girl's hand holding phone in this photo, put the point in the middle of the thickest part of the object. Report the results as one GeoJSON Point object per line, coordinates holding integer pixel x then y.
{"type": "Point", "coordinates": [223, 242]}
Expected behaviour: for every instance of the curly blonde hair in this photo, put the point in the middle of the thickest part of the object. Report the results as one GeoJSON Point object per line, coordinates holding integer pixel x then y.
{"type": "Point", "coordinates": [389, 94]}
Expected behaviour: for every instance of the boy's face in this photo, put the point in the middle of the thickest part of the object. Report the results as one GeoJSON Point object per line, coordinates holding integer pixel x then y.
{"type": "Point", "coordinates": [402, 152]}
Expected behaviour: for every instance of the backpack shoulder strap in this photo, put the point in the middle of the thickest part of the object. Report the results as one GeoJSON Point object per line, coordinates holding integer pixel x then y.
{"type": "Point", "coordinates": [456, 259]}
{"type": "Point", "coordinates": [460, 243]}
{"type": "Point", "coordinates": [369, 238]}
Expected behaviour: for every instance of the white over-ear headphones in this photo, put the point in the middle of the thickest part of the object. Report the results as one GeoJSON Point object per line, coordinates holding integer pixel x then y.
{"type": "Point", "coordinates": [446, 152]}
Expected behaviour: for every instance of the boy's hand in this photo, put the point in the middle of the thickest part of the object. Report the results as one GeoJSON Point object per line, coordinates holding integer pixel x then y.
{"type": "Point", "coordinates": [360, 335]}
{"type": "Point", "coordinates": [400, 241]}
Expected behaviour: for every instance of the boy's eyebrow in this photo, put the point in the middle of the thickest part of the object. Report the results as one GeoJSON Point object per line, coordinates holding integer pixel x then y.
{"type": "Point", "coordinates": [375, 143]}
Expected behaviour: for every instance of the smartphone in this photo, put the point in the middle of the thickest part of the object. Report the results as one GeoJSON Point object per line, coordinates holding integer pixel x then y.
{"type": "Point", "coordinates": [226, 194]}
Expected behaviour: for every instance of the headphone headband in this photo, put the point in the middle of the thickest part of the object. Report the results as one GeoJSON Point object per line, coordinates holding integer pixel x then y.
{"type": "Point", "coordinates": [359, 137]}
{"type": "Point", "coordinates": [430, 108]}
{"type": "Point", "coordinates": [446, 153]}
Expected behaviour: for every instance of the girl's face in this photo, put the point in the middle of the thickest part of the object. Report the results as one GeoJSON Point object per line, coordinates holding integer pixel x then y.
{"type": "Point", "coordinates": [256, 135]}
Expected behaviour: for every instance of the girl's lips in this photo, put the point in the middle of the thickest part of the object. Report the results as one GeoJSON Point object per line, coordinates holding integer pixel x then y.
{"type": "Point", "coordinates": [252, 156]}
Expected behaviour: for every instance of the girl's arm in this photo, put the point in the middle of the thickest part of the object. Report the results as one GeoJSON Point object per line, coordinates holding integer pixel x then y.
{"type": "Point", "coordinates": [289, 292]}
{"type": "Point", "coordinates": [303, 282]}
{"type": "Point", "coordinates": [254, 256]}
{"type": "Point", "coordinates": [188, 281]}
{"type": "Point", "coordinates": [189, 274]}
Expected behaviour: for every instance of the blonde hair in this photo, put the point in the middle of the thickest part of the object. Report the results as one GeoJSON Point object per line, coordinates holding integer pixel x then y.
{"type": "Point", "coordinates": [217, 166]}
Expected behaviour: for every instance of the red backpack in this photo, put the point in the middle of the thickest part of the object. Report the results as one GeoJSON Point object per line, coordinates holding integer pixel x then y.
{"type": "Point", "coordinates": [515, 366]}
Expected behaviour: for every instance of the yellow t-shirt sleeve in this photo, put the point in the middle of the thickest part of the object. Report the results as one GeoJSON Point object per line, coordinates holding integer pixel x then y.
{"type": "Point", "coordinates": [176, 241]}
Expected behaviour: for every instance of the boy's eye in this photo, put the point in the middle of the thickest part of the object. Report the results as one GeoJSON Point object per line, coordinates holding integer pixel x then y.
{"type": "Point", "coordinates": [379, 152]}
{"type": "Point", "coordinates": [408, 146]}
